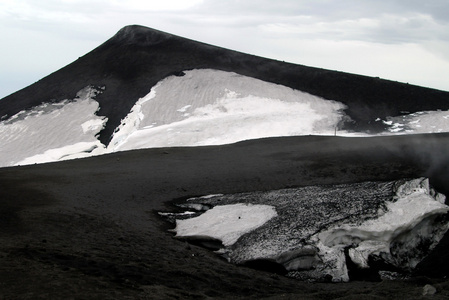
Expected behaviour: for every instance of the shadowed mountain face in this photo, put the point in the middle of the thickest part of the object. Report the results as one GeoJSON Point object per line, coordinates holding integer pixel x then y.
{"type": "Point", "coordinates": [130, 63]}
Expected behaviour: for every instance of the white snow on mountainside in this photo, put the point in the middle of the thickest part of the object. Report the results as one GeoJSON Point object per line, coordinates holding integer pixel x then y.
{"type": "Point", "coordinates": [52, 132]}
{"type": "Point", "coordinates": [203, 107]}
{"type": "Point", "coordinates": [210, 107]}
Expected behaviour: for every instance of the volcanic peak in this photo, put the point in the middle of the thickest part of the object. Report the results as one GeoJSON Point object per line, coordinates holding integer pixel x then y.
{"type": "Point", "coordinates": [140, 35]}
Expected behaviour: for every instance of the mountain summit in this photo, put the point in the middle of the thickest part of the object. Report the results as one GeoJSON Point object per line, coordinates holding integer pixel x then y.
{"type": "Point", "coordinates": [129, 64]}
{"type": "Point", "coordinates": [140, 35]}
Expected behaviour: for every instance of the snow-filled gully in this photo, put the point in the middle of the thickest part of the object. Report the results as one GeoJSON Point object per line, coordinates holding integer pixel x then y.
{"type": "Point", "coordinates": [314, 233]}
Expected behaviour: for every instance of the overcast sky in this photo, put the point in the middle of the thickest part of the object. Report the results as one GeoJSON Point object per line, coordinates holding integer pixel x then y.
{"type": "Point", "coordinates": [401, 40]}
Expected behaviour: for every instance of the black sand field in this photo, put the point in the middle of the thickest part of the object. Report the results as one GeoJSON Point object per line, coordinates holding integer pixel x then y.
{"type": "Point", "coordinates": [89, 228]}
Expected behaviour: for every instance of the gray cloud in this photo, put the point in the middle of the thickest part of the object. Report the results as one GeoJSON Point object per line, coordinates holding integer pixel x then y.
{"type": "Point", "coordinates": [374, 21]}
{"type": "Point", "coordinates": [342, 9]}
{"type": "Point", "coordinates": [319, 32]}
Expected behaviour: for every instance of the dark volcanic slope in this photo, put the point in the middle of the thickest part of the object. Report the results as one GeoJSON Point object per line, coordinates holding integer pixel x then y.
{"type": "Point", "coordinates": [136, 58]}
{"type": "Point", "coordinates": [88, 228]}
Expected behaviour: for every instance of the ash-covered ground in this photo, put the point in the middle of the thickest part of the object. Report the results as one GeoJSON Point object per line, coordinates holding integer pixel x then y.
{"type": "Point", "coordinates": [89, 228]}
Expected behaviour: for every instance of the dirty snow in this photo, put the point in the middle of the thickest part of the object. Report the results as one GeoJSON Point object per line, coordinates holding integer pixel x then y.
{"type": "Point", "coordinates": [310, 241]}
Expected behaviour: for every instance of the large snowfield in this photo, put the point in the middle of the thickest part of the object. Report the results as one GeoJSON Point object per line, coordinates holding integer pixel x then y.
{"type": "Point", "coordinates": [202, 107]}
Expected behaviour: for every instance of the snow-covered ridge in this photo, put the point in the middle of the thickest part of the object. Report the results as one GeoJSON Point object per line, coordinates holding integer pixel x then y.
{"type": "Point", "coordinates": [202, 107]}
{"type": "Point", "coordinates": [396, 222]}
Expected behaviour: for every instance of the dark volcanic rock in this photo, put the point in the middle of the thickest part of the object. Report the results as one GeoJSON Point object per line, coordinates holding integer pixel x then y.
{"type": "Point", "coordinates": [136, 58]}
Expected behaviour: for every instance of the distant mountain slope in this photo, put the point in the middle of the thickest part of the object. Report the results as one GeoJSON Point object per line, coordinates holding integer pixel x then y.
{"type": "Point", "coordinates": [130, 63]}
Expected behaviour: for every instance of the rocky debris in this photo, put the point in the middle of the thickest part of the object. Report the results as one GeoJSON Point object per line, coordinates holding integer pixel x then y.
{"type": "Point", "coordinates": [334, 232]}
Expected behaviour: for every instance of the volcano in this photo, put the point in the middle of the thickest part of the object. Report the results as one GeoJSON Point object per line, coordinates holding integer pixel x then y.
{"type": "Point", "coordinates": [145, 88]}
{"type": "Point", "coordinates": [158, 119]}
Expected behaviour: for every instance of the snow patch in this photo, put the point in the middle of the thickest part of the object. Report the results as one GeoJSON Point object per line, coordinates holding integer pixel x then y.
{"type": "Point", "coordinates": [224, 107]}
{"type": "Point", "coordinates": [205, 197]}
{"type": "Point", "coordinates": [226, 223]}
{"type": "Point", "coordinates": [131, 122]}
{"type": "Point", "coordinates": [43, 133]}
{"type": "Point", "coordinates": [78, 150]}
{"type": "Point", "coordinates": [419, 122]}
